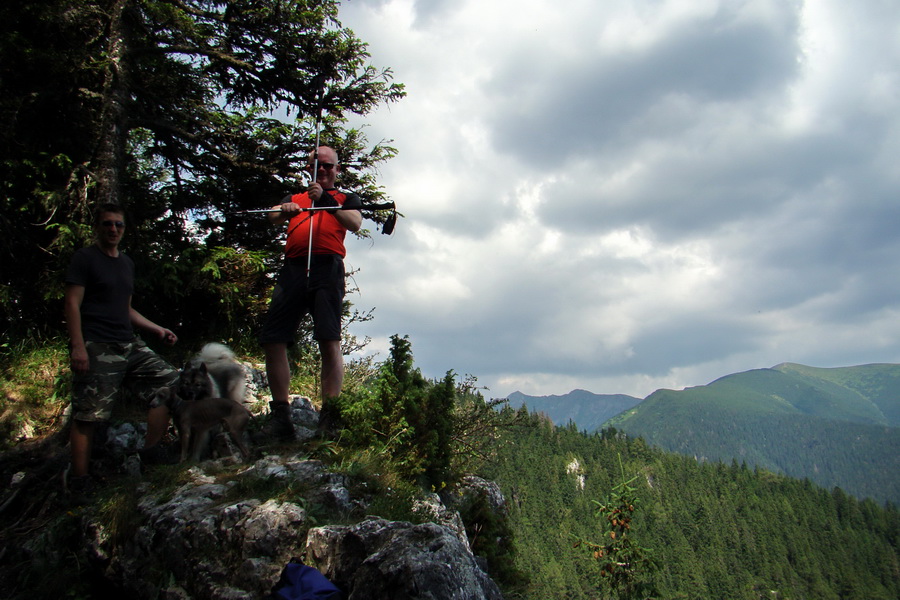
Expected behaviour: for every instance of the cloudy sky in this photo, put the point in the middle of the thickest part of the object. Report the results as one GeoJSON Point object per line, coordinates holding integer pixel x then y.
{"type": "Point", "coordinates": [622, 196]}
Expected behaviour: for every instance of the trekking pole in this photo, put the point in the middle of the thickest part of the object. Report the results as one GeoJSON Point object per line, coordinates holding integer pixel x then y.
{"type": "Point", "coordinates": [363, 208]}
{"type": "Point", "coordinates": [320, 87]}
{"type": "Point", "coordinates": [387, 226]}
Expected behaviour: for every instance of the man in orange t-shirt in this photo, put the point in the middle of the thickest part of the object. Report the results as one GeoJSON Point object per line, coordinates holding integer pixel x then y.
{"type": "Point", "coordinates": [310, 286]}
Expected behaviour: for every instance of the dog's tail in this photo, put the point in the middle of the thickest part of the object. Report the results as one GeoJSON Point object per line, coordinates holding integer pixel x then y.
{"type": "Point", "coordinates": [214, 353]}
{"type": "Point", "coordinates": [227, 374]}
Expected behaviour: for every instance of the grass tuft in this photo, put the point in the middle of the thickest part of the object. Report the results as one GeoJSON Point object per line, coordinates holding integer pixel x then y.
{"type": "Point", "coordinates": [35, 383]}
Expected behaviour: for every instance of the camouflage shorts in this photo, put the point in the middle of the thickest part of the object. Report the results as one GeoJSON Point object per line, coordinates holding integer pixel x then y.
{"type": "Point", "coordinates": [114, 365]}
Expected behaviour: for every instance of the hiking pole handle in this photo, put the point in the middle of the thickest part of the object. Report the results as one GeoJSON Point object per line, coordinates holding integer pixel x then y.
{"type": "Point", "coordinates": [260, 211]}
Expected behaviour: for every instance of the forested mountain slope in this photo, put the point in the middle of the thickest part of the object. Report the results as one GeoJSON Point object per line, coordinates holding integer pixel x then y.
{"type": "Point", "coordinates": [586, 409]}
{"type": "Point", "coordinates": [712, 530]}
{"type": "Point", "coordinates": [838, 427]}
{"type": "Point", "coordinates": [877, 386]}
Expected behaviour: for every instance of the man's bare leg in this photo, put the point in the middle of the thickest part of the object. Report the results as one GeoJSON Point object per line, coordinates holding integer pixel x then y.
{"type": "Point", "coordinates": [80, 438]}
{"type": "Point", "coordinates": [278, 372]}
{"type": "Point", "coordinates": [157, 423]}
{"type": "Point", "coordinates": [332, 382]}
{"type": "Point", "coordinates": [332, 369]}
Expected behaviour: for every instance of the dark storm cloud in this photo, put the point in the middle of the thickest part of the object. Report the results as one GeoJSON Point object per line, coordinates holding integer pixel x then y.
{"type": "Point", "coordinates": [720, 60]}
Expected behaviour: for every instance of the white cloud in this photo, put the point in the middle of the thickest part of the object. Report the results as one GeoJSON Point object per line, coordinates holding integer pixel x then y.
{"type": "Point", "coordinates": [623, 196]}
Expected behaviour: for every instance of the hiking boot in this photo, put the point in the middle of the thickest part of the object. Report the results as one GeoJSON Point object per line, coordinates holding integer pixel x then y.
{"type": "Point", "coordinates": [157, 455]}
{"type": "Point", "coordinates": [279, 425]}
{"type": "Point", "coordinates": [78, 490]}
{"type": "Point", "coordinates": [329, 420]}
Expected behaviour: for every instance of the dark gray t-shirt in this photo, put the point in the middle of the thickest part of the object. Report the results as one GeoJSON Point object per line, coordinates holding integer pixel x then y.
{"type": "Point", "coordinates": [108, 285]}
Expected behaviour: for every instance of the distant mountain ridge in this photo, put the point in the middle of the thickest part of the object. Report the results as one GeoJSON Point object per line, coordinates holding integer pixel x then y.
{"type": "Point", "coordinates": [588, 410]}
{"type": "Point", "coordinates": [835, 426]}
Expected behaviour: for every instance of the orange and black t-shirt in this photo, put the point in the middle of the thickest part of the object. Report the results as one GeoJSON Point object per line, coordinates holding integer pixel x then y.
{"type": "Point", "coordinates": [328, 233]}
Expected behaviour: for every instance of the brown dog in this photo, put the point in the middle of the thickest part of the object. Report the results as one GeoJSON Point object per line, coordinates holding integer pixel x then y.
{"type": "Point", "coordinates": [194, 418]}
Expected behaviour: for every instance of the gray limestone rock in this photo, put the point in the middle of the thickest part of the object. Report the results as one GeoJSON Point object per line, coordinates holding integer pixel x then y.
{"type": "Point", "coordinates": [390, 560]}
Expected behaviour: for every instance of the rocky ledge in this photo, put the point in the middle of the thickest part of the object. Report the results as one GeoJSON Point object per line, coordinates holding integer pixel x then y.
{"type": "Point", "coordinates": [207, 538]}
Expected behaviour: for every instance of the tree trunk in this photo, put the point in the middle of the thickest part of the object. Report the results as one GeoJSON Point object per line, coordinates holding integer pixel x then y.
{"type": "Point", "coordinates": [113, 133]}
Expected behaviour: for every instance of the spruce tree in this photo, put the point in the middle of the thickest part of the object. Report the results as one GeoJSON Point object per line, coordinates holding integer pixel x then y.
{"type": "Point", "coordinates": [182, 112]}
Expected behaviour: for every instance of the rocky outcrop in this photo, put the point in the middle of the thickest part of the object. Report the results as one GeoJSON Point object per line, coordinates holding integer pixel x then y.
{"type": "Point", "coordinates": [226, 529]}
{"type": "Point", "coordinates": [196, 541]}
{"type": "Point", "coordinates": [470, 488]}
{"type": "Point", "coordinates": [204, 541]}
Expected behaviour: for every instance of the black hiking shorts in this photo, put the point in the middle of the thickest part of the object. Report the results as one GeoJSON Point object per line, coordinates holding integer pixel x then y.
{"type": "Point", "coordinates": [296, 295]}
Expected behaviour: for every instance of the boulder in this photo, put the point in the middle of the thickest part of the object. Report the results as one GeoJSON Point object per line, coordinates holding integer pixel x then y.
{"type": "Point", "coordinates": [394, 560]}
{"type": "Point", "coordinates": [431, 507]}
{"type": "Point", "coordinates": [471, 487]}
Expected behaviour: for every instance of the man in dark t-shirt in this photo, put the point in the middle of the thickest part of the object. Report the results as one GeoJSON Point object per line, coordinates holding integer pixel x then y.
{"type": "Point", "coordinates": [105, 352]}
